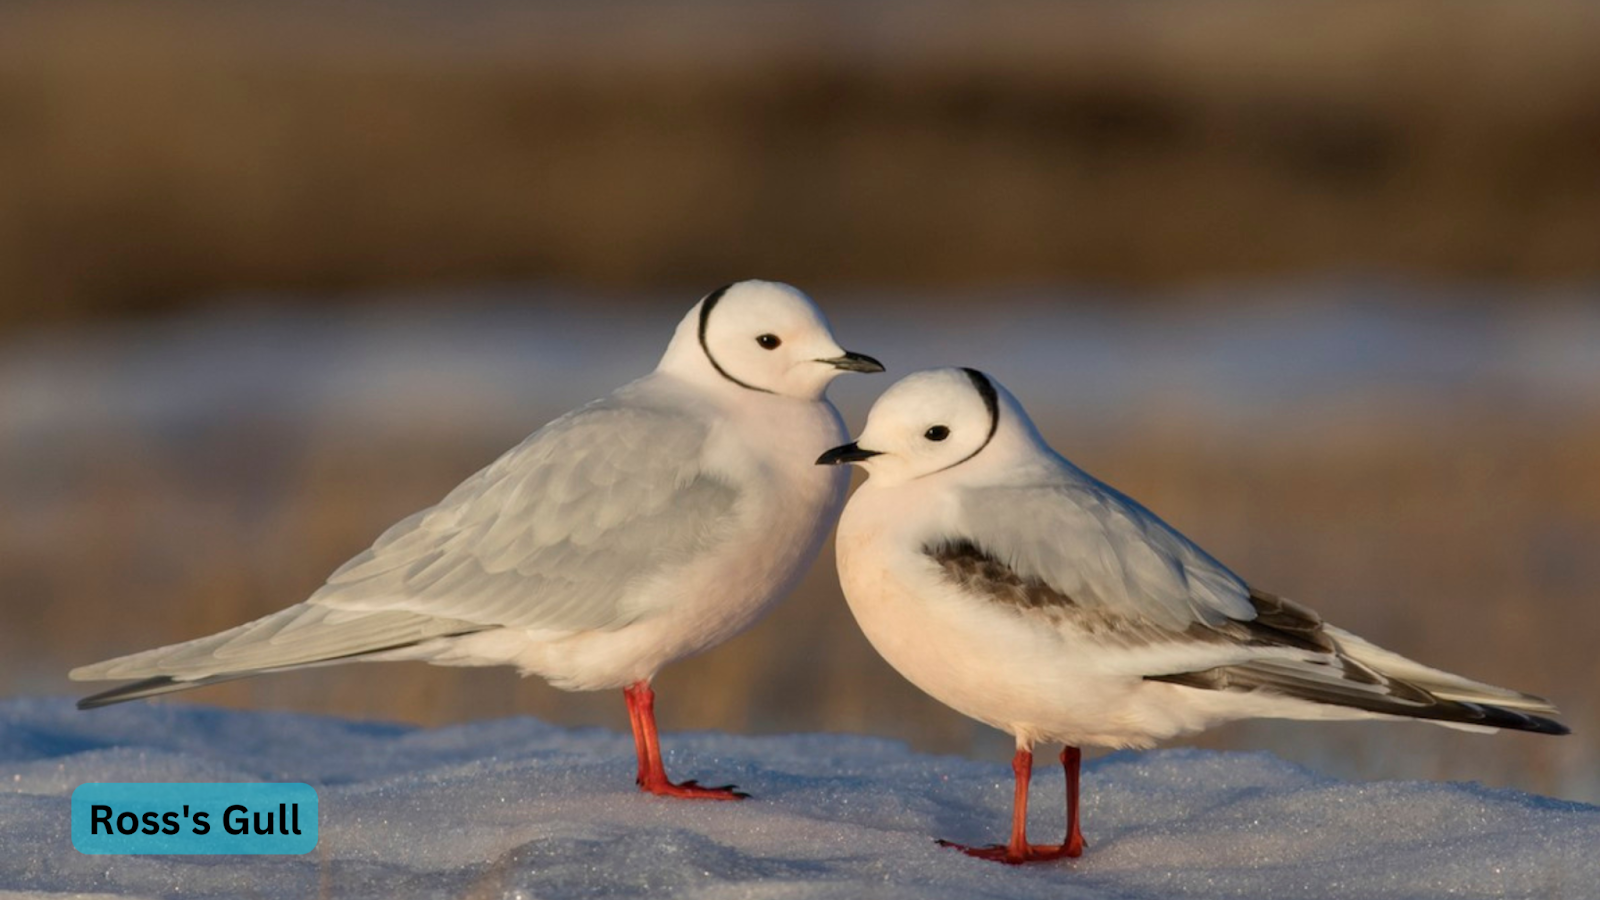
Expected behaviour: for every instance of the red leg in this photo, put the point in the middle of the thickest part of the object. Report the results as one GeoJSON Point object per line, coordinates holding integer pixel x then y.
{"type": "Point", "coordinates": [652, 772]}
{"type": "Point", "coordinates": [1018, 850]}
{"type": "Point", "coordinates": [636, 721]}
{"type": "Point", "coordinates": [1071, 760]}
{"type": "Point", "coordinates": [1022, 776]}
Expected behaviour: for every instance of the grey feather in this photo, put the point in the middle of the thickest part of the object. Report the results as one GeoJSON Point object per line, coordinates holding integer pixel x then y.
{"type": "Point", "coordinates": [298, 636]}
{"type": "Point", "coordinates": [1322, 672]}
{"type": "Point", "coordinates": [1273, 621]}
{"type": "Point", "coordinates": [551, 536]}
{"type": "Point", "coordinates": [1341, 681]}
{"type": "Point", "coordinates": [1111, 556]}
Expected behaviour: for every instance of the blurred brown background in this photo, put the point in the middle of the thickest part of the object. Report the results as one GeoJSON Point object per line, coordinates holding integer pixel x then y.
{"type": "Point", "coordinates": [1315, 281]}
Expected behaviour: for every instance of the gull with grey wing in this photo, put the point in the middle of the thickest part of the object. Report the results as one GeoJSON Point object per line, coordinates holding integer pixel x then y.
{"type": "Point", "coordinates": [1023, 592]}
{"type": "Point", "coordinates": [647, 526]}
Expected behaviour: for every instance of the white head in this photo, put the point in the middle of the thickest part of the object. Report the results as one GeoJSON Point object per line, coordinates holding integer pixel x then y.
{"type": "Point", "coordinates": [939, 419]}
{"type": "Point", "coordinates": [760, 336]}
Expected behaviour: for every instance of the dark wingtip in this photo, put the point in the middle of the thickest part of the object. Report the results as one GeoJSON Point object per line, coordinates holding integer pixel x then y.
{"type": "Point", "coordinates": [160, 684]}
{"type": "Point", "coordinates": [1505, 718]}
{"type": "Point", "coordinates": [1543, 725]}
{"type": "Point", "coordinates": [1404, 700]}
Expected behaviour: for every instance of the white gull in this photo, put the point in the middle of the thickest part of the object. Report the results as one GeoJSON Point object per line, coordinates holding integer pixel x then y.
{"type": "Point", "coordinates": [644, 527]}
{"type": "Point", "coordinates": [1021, 591]}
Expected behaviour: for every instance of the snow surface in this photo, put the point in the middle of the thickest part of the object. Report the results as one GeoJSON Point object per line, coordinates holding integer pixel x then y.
{"type": "Point", "coordinates": [517, 808]}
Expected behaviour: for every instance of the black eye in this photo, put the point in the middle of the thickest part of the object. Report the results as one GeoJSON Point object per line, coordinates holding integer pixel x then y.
{"type": "Point", "coordinates": [769, 341]}
{"type": "Point", "coordinates": [936, 433]}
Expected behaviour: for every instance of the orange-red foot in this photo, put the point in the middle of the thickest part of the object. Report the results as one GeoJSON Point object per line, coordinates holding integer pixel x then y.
{"type": "Point", "coordinates": [692, 790]}
{"type": "Point", "coordinates": [1003, 853]}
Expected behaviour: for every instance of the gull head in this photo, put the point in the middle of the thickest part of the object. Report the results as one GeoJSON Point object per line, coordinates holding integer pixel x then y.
{"type": "Point", "coordinates": [761, 336]}
{"type": "Point", "coordinates": [936, 420]}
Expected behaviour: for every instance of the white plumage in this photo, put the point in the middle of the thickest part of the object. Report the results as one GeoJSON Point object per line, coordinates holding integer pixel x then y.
{"type": "Point", "coordinates": [644, 527]}
{"type": "Point", "coordinates": [1021, 591]}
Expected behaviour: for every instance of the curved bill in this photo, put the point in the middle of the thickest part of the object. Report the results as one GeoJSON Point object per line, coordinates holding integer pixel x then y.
{"type": "Point", "coordinates": [848, 453]}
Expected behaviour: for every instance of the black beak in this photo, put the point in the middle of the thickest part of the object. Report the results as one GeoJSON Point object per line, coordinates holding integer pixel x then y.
{"type": "Point", "coordinates": [854, 362]}
{"type": "Point", "coordinates": [848, 453]}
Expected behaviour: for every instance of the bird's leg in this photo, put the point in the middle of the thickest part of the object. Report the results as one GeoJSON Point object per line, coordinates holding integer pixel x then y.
{"type": "Point", "coordinates": [1022, 775]}
{"type": "Point", "coordinates": [1071, 760]}
{"type": "Point", "coordinates": [1015, 851]}
{"type": "Point", "coordinates": [1018, 850]}
{"type": "Point", "coordinates": [652, 771]}
{"type": "Point", "coordinates": [636, 721]}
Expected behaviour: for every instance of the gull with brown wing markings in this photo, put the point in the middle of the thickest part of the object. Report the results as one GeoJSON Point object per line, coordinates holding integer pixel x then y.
{"type": "Point", "coordinates": [1023, 592]}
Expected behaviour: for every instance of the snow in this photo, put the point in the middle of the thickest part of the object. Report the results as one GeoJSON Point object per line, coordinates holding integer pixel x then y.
{"type": "Point", "coordinates": [518, 808]}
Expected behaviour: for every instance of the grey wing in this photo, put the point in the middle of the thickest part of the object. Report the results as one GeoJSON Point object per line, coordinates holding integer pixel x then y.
{"type": "Point", "coordinates": [1111, 557]}
{"type": "Point", "coordinates": [551, 535]}
{"type": "Point", "coordinates": [548, 537]}
{"type": "Point", "coordinates": [1083, 553]}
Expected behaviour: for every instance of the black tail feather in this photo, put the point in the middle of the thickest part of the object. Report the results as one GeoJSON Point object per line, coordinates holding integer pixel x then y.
{"type": "Point", "coordinates": [1388, 696]}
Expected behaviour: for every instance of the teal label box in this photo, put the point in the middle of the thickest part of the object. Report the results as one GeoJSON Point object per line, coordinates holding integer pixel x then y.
{"type": "Point", "coordinates": [194, 818]}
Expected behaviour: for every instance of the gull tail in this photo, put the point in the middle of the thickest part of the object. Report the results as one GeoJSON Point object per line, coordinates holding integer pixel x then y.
{"type": "Point", "coordinates": [1538, 712]}
{"type": "Point", "coordinates": [301, 636]}
{"type": "Point", "coordinates": [1359, 675]}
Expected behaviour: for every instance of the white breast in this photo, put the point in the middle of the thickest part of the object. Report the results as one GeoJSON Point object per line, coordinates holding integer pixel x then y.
{"type": "Point", "coordinates": [994, 664]}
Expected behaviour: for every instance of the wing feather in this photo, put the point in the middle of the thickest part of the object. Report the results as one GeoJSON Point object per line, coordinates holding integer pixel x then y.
{"type": "Point", "coordinates": [550, 537]}
{"type": "Point", "coordinates": [1113, 557]}
{"type": "Point", "coordinates": [298, 636]}
{"type": "Point", "coordinates": [552, 534]}
{"type": "Point", "coordinates": [1095, 563]}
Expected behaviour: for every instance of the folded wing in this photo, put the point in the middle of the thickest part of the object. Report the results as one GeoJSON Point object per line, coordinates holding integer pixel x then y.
{"type": "Point", "coordinates": [1099, 565]}
{"type": "Point", "coordinates": [551, 537]}
{"type": "Point", "coordinates": [1112, 558]}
